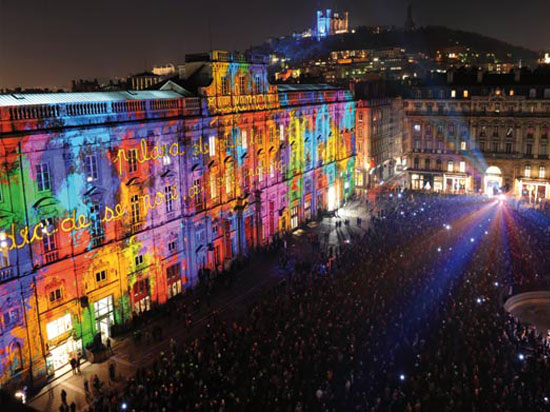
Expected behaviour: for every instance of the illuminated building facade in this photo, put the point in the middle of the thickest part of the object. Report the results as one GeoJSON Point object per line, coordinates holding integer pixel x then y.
{"type": "Point", "coordinates": [111, 203]}
{"type": "Point", "coordinates": [379, 135]}
{"type": "Point", "coordinates": [478, 132]}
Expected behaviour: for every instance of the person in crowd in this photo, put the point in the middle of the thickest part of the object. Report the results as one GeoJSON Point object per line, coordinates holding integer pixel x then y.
{"type": "Point", "coordinates": [409, 318]}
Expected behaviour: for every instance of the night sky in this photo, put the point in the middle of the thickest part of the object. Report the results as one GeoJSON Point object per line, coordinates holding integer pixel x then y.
{"type": "Point", "coordinates": [47, 43]}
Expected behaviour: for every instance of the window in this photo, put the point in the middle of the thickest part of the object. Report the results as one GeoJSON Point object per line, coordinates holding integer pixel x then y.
{"type": "Point", "coordinates": [428, 130]}
{"type": "Point", "coordinates": [527, 171]}
{"type": "Point", "coordinates": [508, 148]}
{"type": "Point", "coordinates": [417, 128]}
{"type": "Point", "coordinates": [463, 145]}
{"type": "Point", "coordinates": [92, 172]}
{"type": "Point", "coordinates": [532, 93]}
{"type": "Point", "coordinates": [482, 146]}
{"type": "Point", "coordinates": [465, 94]}
{"type": "Point", "coordinates": [429, 144]}
{"type": "Point", "coordinates": [416, 163]}
{"type": "Point", "coordinates": [212, 146]}
{"type": "Point", "coordinates": [49, 240]}
{"type": "Point", "coordinates": [173, 244]}
{"type": "Point", "coordinates": [55, 295]}
{"type": "Point", "coordinates": [229, 178]}
{"type": "Point", "coordinates": [258, 84]}
{"type": "Point", "coordinates": [495, 147]}
{"type": "Point", "coordinates": [438, 164]}
{"type": "Point", "coordinates": [96, 227]}
{"type": "Point", "coordinates": [197, 190]}
{"type": "Point", "coordinates": [453, 93]}
{"type": "Point", "coordinates": [417, 144]}
{"type": "Point", "coordinates": [528, 149]}
{"type": "Point", "coordinates": [11, 317]}
{"type": "Point", "coordinates": [482, 131]}
{"type": "Point", "coordinates": [495, 131]}
{"type": "Point", "coordinates": [138, 260]}
{"type": "Point", "coordinates": [173, 272]}
{"type": "Point", "coordinates": [43, 178]}
{"type": "Point", "coordinates": [510, 132]}
{"type": "Point", "coordinates": [168, 199]}
{"type": "Point", "coordinates": [134, 205]}
{"type": "Point", "coordinates": [242, 85]}
{"type": "Point", "coordinates": [59, 326]}
{"type": "Point", "coordinates": [542, 172]}
{"type": "Point", "coordinates": [544, 132]}
{"type": "Point", "coordinates": [543, 150]}
{"type": "Point", "coordinates": [213, 185]}
{"type": "Point", "coordinates": [462, 167]}
{"type": "Point", "coordinates": [450, 166]}
{"type": "Point", "coordinates": [244, 143]}
{"type": "Point", "coordinates": [427, 164]}
{"type": "Point", "coordinates": [451, 129]}
{"type": "Point", "coordinates": [132, 161]}
{"type": "Point", "coordinates": [100, 276]}
{"type": "Point", "coordinates": [225, 85]}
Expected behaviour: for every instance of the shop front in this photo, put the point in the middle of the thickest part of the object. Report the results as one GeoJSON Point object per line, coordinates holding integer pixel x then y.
{"type": "Point", "coordinates": [61, 344]}
{"type": "Point", "coordinates": [457, 183]}
{"type": "Point", "coordinates": [141, 296]}
{"type": "Point", "coordinates": [422, 181]}
{"type": "Point", "coordinates": [532, 191]}
{"type": "Point", "coordinates": [104, 316]}
{"type": "Point", "coordinates": [173, 280]}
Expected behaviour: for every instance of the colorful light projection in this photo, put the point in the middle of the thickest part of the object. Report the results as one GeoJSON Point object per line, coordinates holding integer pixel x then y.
{"type": "Point", "coordinates": [104, 220]}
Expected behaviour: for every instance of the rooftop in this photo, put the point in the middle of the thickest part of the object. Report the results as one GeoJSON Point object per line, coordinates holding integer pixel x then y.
{"type": "Point", "coordinates": [55, 98]}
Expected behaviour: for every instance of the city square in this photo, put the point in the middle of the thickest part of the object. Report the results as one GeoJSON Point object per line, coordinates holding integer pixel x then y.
{"type": "Point", "coordinates": [353, 215]}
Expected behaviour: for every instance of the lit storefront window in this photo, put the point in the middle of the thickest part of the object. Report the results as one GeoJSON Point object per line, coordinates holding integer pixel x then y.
{"type": "Point", "coordinates": [59, 326]}
{"type": "Point", "coordinates": [542, 172]}
{"type": "Point", "coordinates": [527, 171]}
{"type": "Point", "coordinates": [462, 167]}
{"type": "Point", "coordinates": [450, 167]}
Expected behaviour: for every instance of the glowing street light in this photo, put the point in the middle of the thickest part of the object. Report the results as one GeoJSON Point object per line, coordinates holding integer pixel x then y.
{"type": "Point", "coordinates": [521, 356]}
{"type": "Point", "coordinates": [401, 377]}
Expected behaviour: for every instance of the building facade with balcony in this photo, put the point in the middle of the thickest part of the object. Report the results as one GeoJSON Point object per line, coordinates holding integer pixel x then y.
{"type": "Point", "coordinates": [477, 132]}
{"type": "Point", "coordinates": [379, 127]}
{"type": "Point", "coordinates": [112, 203]}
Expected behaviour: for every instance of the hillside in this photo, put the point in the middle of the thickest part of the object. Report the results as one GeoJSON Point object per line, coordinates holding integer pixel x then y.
{"type": "Point", "coordinates": [425, 40]}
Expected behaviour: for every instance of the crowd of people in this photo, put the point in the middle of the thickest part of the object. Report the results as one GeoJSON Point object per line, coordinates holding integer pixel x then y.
{"type": "Point", "coordinates": [407, 316]}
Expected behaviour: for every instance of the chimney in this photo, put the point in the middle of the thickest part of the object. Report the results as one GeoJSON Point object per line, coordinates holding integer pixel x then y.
{"type": "Point", "coordinates": [450, 76]}
{"type": "Point", "coordinates": [480, 75]}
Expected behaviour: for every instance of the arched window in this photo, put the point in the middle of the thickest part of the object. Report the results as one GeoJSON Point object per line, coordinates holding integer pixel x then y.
{"type": "Point", "coordinates": [17, 357]}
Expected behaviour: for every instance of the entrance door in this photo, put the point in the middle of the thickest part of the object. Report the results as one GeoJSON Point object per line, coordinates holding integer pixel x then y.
{"type": "Point", "coordinates": [105, 329]}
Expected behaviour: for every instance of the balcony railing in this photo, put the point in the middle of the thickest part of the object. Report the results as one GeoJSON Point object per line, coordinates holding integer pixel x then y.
{"type": "Point", "coordinates": [6, 274]}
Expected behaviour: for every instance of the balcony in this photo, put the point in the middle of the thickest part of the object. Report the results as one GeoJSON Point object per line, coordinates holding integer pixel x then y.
{"type": "Point", "coordinates": [51, 256]}
{"type": "Point", "coordinates": [6, 274]}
